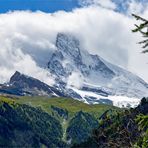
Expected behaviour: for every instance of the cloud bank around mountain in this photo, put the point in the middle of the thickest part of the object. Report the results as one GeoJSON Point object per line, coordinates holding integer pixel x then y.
{"type": "Point", "coordinates": [27, 39]}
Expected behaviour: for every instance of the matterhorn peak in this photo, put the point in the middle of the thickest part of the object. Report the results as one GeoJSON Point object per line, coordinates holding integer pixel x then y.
{"type": "Point", "coordinates": [68, 39]}
{"type": "Point", "coordinates": [98, 75]}
{"type": "Point", "coordinates": [68, 45]}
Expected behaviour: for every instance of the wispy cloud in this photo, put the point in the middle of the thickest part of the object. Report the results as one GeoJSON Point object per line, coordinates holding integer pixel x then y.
{"type": "Point", "coordinates": [103, 3]}
{"type": "Point", "coordinates": [27, 39]}
{"type": "Point", "coordinates": [137, 7]}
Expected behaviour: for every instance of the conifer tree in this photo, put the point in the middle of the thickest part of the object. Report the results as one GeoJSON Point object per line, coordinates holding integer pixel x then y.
{"type": "Point", "coordinates": [143, 29]}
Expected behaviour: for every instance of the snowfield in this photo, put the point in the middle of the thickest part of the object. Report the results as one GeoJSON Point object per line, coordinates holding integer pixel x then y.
{"type": "Point", "coordinates": [119, 101]}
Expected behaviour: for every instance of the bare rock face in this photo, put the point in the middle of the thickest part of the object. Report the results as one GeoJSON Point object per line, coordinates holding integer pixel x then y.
{"type": "Point", "coordinates": [21, 84]}
{"type": "Point", "coordinates": [93, 72]}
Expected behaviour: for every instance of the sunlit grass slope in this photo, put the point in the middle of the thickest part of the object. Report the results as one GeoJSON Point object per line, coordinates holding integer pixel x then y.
{"type": "Point", "coordinates": [71, 105]}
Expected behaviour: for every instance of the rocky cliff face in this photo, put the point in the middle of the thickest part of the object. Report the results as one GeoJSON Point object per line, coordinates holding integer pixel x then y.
{"type": "Point", "coordinates": [69, 58]}
{"type": "Point", "coordinates": [21, 84]}
{"type": "Point", "coordinates": [96, 78]}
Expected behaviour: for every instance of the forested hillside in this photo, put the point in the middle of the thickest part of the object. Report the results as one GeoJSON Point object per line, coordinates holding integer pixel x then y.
{"type": "Point", "coordinates": [63, 122]}
{"type": "Point", "coordinates": [57, 122]}
{"type": "Point", "coordinates": [126, 129]}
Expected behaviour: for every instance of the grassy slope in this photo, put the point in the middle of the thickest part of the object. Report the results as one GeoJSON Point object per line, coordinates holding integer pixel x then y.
{"type": "Point", "coordinates": [71, 105]}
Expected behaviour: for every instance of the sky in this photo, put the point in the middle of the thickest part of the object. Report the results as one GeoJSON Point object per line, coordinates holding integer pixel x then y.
{"type": "Point", "coordinates": [28, 31]}
{"type": "Point", "coordinates": [34, 5]}
{"type": "Point", "coordinates": [42, 5]}
{"type": "Point", "coordinates": [66, 5]}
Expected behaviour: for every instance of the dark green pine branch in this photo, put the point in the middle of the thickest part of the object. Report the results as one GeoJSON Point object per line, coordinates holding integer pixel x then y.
{"type": "Point", "coordinates": [140, 28]}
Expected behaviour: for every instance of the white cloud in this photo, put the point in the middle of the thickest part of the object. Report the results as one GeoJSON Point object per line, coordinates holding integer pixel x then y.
{"type": "Point", "coordinates": [103, 3]}
{"type": "Point", "coordinates": [27, 39]}
{"type": "Point", "coordinates": [75, 80]}
{"type": "Point", "coordinates": [136, 7]}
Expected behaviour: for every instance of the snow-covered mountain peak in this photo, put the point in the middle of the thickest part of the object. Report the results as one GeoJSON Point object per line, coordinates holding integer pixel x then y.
{"type": "Point", "coordinates": [69, 47]}
{"type": "Point", "coordinates": [69, 58]}
{"type": "Point", "coordinates": [66, 42]}
{"type": "Point", "coordinates": [69, 63]}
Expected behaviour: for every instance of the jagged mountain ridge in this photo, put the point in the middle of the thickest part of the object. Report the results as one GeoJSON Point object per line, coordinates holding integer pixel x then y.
{"type": "Point", "coordinates": [22, 85]}
{"type": "Point", "coordinates": [99, 78]}
{"type": "Point", "coordinates": [69, 58]}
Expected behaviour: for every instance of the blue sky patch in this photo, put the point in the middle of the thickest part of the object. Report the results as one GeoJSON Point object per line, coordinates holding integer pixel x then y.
{"type": "Point", "coordinates": [34, 5]}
